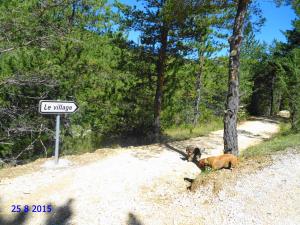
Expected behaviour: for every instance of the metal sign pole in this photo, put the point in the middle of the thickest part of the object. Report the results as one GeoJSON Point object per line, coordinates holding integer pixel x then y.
{"type": "Point", "coordinates": [57, 107]}
{"type": "Point", "coordinates": [57, 138]}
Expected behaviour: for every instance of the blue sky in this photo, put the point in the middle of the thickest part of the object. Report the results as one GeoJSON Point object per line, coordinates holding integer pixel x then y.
{"type": "Point", "coordinates": [278, 19]}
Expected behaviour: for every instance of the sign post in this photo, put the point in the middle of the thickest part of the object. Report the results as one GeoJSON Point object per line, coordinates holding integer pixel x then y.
{"type": "Point", "coordinates": [57, 108]}
{"type": "Point", "coordinates": [57, 138]}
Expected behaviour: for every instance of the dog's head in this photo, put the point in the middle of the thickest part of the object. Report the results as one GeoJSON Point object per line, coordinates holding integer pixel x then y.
{"type": "Point", "coordinates": [193, 153]}
{"type": "Point", "coordinates": [202, 163]}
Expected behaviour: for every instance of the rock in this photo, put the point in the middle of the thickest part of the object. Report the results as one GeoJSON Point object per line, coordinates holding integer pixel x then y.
{"type": "Point", "coordinates": [284, 114]}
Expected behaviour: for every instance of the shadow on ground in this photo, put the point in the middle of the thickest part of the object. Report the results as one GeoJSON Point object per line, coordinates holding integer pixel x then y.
{"type": "Point", "coordinates": [133, 220]}
{"type": "Point", "coordinates": [170, 147]}
{"type": "Point", "coordinates": [274, 120]}
{"type": "Point", "coordinates": [59, 216]}
{"type": "Point", "coordinates": [248, 134]}
{"type": "Point", "coordinates": [19, 219]}
{"type": "Point", "coordinates": [184, 155]}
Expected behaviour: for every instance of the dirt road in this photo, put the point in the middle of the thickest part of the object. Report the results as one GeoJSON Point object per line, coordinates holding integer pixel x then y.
{"type": "Point", "coordinates": [145, 185]}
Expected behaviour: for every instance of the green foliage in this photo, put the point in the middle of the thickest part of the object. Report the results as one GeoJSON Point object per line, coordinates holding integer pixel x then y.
{"type": "Point", "coordinates": [252, 54]}
{"type": "Point", "coordinates": [76, 50]}
{"type": "Point", "coordinates": [72, 63]}
{"type": "Point", "coordinates": [187, 131]}
{"type": "Point", "coordinates": [291, 80]}
{"type": "Point", "coordinates": [276, 79]}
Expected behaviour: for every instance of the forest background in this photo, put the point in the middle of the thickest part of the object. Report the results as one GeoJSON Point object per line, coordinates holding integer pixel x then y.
{"type": "Point", "coordinates": [79, 50]}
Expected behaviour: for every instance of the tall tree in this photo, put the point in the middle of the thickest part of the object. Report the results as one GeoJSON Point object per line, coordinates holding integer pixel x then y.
{"type": "Point", "coordinates": [205, 32]}
{"type": "Point", "coordinates": [289, 65]}
{"type": "Point", "coordinates": [160, 37]}
{"type": "Point", "coordinates": [200, 24]}
{"type": "Point", "coordinates": [276, 76]}
{"type": "Point", "coordinates": [232, 103]}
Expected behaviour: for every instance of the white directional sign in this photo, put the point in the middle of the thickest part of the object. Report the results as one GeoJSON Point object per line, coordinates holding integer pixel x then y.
{"type": "Point", "coordinates": [57, 107]}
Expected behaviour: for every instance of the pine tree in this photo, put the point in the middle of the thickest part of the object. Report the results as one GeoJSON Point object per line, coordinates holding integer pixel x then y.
{"type": "Point", "coordinates": [232, 104]}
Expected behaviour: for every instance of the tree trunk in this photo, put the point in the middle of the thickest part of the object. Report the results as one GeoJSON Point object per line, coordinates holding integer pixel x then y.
{"type": "Point", "coordinates": [272, 95]}
{"type": "Point", "coordinates": [198, 89]}
{"type": "Point", "coordinates": [161, 63]}
{"type": "Point", "coordinates": [232, 103]}
{"type": "Point", "coordinates": [294, 118]}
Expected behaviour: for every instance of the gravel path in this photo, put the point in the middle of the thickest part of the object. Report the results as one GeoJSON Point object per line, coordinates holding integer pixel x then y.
{"type": "Point", "coordinates": [145, 185]}
{"type": "Point", "coordinates": [270, 196]}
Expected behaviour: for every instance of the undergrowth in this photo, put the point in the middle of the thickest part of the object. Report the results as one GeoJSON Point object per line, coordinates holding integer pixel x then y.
{"type": "Point", "coordinates": [185, 132]}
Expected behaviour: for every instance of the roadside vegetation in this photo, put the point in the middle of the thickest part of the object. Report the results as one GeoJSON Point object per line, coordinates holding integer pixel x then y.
{"type": "Point", "coordinates": [279, 142]}
{"type": "Point", "coordinates": [184, 132]}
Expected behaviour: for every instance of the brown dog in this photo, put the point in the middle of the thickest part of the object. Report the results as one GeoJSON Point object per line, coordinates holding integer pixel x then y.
{"type": "Point", "coordinates": [219, 162]}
